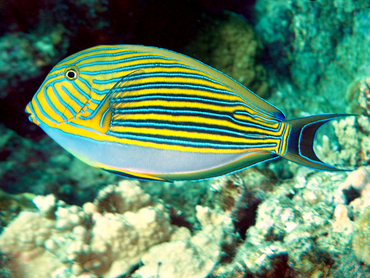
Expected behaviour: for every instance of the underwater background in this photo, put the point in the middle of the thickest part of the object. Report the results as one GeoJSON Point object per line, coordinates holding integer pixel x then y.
{"type": "Point", "coordinates": [62, 218]}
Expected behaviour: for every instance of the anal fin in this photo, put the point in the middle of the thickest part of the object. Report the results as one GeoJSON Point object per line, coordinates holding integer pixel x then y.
{"type": "Point", "coordinates": [132, 175]}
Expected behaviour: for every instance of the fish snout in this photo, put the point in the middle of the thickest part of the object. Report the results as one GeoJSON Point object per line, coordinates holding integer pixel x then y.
{"type": "Point", "coordinates": [31, 116]}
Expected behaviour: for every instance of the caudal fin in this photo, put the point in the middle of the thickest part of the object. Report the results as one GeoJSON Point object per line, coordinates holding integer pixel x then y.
{"type": "Point", "coordinates": [301, 138]}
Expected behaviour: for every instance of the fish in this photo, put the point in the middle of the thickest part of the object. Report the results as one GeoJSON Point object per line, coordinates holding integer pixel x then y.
{"type": "Point", "coordinates": [152, 114]}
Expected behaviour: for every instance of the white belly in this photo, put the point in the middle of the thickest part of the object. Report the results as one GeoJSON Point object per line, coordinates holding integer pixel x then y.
{"type": "Point", "coordinates": [136, 158]}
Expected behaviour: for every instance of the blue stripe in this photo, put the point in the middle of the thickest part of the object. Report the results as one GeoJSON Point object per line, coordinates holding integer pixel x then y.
{"type": "Point", "coordinates": [47, 79]}
{"type": "Point", "coordinates": [82, 92]}
{"type": "Point", "coordinates": [271, 121]}
{"type": "Point", "coordinates": [83, 127]}
{"type": "Point", "coordinates": [148, 55]}
{"type": "Point", "coordinates": [100, 104]}
{"type": "Point", "coordinates": [103, 117]}
{"type": "Point", "coordinates": [159, 85]}
{"type": "Point", "coordinates": [201, 128]}
{"type": "Point", "coordinates": [96, 101]}
{"type": "Point", "coordinates": [135, 67]}
{"type": "Point", "coordinates": [56, 111]}
{"type": "Point", "coordinates": [44, 113]}
{"type": "Point", "coordinates": [124, 52]}
{"type": "Point", "coordinates": [202, 113]}
{"type": "Point", "coordinates": [63, 102]}
{"type": "Point", "coordinates": [281, 141]}
{"type": "Point", "coordinates": [126, 60]}
{"type": "Point", "coordinates": [278, 116]}
{"type": "Point", "coordinates": [72, 97]}
{"type": "Point", "coordinates": [184, 98]}
{"type": "Point", "coordinates": [287, 142]}
{"type": "Point", "coordinates": [87, 85]}
{"type": "Point", "coordinates": [160, 74]}
{"type": "Point", "coordinates": [187, 143]}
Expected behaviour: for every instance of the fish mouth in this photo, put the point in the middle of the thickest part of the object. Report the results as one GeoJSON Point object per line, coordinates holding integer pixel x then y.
{"type": "Point", "coordinates": [31, 116]}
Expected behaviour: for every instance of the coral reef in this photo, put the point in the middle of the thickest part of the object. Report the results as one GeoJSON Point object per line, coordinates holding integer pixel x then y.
{"type": "Point", "coordinates": [352, 133]}
{"type": "Point", "coordinates": [342, 221]}
{"type": "Point", "coordinates": [303, 228]}
{"type": "Point", "coordinates": [110, 236]}
{"type": "Point", "coordinates": [317, 48]}
{"type": "Point", "coordinates": [355, 191]}
{"type": "Point", "coordinates": [186, 256]}
{"type": "Point", "coordinates": [88, 239]}
{"type": "Point", "coordinates": [238, 196]}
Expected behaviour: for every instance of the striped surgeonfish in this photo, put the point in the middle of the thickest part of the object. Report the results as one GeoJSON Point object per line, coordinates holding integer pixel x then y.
{"type": "Point", "coordinates": [153, 114]}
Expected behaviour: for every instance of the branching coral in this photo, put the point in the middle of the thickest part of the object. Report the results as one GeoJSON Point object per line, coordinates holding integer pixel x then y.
{"type": "Point", "coordinates": [187, 256]}
{"type": "Point", "coordinates": [88, 239]}
{"type": "Point", "coordinates": [109, 237]}
{"type": "Point", "coordinates": [297, 232]}
{"type": "Point", "coordinates": [353, 148]}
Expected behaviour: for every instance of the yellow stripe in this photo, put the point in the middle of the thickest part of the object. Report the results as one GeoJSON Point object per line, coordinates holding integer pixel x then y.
{"type": "Point", "coordinates": [195, 119]}
{"type": "Point", "coordinates": [285, 138]}
{"type": "Point", "coordinates": [192, 135]}
{"type": "Point", "coordinates": [189, 92]}
{"type": "Point", "coordinates": [103, 137]}
{"type": "Point", "coordinates": [256, 120]}
{"type": "Point", "coordinates": [108, 67]}
{"type": "Point", "coordinates": [180, 104]}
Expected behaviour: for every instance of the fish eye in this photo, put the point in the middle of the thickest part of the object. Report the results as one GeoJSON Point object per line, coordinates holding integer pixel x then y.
{"type": "Point", "coordinates": [71, 73]}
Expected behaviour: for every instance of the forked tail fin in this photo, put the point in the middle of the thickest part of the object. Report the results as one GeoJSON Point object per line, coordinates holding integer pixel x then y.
{"type": "Point", "coordinates": [301, 139]}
